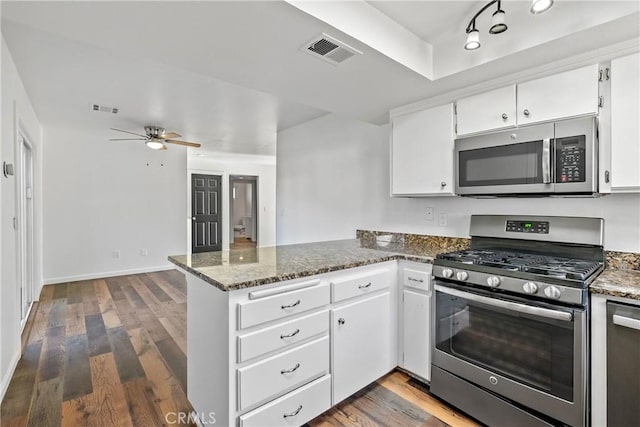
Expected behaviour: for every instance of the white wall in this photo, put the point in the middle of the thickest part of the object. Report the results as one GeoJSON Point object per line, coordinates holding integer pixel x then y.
{"type": "Point", "coordinates": [264, 167]}
{"type": "Point", "coordinates": [17, 115]}
{"type": "Point", "coordinates": [102, 197]}
{"type": "Point", "coordinates": [333, 178]}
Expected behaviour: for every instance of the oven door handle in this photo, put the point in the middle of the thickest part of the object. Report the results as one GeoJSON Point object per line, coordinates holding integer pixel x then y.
{"type": "Point", "coordinates": [513, 306]}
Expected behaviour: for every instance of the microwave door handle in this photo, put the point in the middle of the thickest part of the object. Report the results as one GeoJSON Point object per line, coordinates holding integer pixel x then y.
{"type": "Point", "coordinates": [546, 161]}
{"type": "Point", "coordinates": [508, 305]}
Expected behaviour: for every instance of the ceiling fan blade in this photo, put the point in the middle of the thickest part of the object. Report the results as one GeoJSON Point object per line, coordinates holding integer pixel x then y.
{"type": "Point", "coordinates": [185, 143]}
{"type": "Point", "coordinates": [132, 133]}
{"type": "Point", "coordinates": [128, 139]}
{"type": "Point", "coordinates": [168, 135]}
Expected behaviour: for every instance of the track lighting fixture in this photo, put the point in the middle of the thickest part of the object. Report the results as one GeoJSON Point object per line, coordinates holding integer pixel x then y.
{"type": "Point", "coordinates": [498, 24]}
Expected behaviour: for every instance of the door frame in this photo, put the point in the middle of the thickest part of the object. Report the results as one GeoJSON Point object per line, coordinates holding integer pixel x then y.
{"type": "Point", "coordinates": [25, 230]}
{"type": "Point", "coordinates": [253, 180]}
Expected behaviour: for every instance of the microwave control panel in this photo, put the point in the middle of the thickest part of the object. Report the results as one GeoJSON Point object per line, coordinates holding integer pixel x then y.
{"type": "Point", "coordinates": [538, 227]}
{"type": "Point", "coordinates": [570, 159]}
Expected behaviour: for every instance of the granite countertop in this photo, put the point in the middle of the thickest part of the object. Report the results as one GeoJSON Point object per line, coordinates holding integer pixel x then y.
{"type": "Point", "coordinates": [618, 283]}
{"type": "Point", "coordinates": [245, 268]}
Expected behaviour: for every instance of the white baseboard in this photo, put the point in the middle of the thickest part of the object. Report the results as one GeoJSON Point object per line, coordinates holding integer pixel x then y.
{"type": "Point", "coordinates": [6, 379]}
{"type": "Point", "coordinates": [55, 280]}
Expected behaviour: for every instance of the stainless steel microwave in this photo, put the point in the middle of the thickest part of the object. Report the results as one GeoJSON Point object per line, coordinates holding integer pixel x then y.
{"type": "Point", "coordinates": [550, 158]}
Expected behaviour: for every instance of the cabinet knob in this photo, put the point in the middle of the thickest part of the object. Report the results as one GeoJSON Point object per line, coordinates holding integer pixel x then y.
{"type": "Point", "coordinates": [443, 184]}
{"type": "Point", "coordinates": [341, 321]}
{"type": "Point", "coordinates": [504, 116]}
{"type": "Point", "coordinates": [526, 112]}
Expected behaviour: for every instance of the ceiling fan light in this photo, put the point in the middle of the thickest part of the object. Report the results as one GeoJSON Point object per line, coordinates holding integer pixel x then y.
{"type": "Point", "coordinates": [473, 40]}
{"type": "Point", "coordinates": [497, 22]}
{"type": "Point", "coordinates": [540, 6]}
{"type": "Point", "coordinates": [155, 145]}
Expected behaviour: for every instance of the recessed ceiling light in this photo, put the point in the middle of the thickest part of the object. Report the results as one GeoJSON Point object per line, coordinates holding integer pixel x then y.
{"type": "Point", "coordinates": [539, 6]}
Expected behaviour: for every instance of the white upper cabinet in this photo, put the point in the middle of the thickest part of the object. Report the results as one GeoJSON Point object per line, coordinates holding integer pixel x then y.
{"type": "Point", "coordinates": [487, 111]}
{"type": "Point", "coordinates": [568, 94]}
{"type": "Point", "coordinates": [422, 153]}
{"type": "Point", "coordinates": [625, 129]}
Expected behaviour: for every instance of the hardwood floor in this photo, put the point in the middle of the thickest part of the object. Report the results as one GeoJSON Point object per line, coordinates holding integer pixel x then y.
{"type": "Point", "coordinates": [111, 352]}
{"type": "Point", "coordinates": [242, 243]}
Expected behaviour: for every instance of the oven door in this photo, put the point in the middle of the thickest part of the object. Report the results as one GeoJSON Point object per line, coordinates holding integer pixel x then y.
{"type": "Point", "coordinates": [531, 354]}
{"type": "Point", "coordinates": [509, 162]}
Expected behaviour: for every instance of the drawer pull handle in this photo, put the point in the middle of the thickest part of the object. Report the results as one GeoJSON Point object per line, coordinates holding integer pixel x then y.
{"type": "Point", "coordinates": [294, 413]}
{"type": "Point", "coordinates": [288, 371]}
{"type": "Point", "coordinates": [290, 305]}
{"type": "Point", "coordinates": [411, 279]}
{"type": "Point", "coordinates": [292, 334]}
{"type": "Point", "coordinates": [364, 286]}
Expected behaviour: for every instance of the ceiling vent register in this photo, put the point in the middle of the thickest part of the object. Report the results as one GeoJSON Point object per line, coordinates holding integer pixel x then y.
{"type": "Point", "coordinates": [329, 49]}
{"type": "Point", "coordinates": [104, 109]}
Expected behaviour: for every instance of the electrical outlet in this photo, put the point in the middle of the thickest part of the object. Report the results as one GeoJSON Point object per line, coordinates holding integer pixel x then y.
{"type": "Point", "coordinates": [442, 220]}
{"type": "Point", "coordinates": [144, 252]}
{"type": "Point", "coordinates": [429, 214]}
{"type": "Point", "coordinates": [115, 254]}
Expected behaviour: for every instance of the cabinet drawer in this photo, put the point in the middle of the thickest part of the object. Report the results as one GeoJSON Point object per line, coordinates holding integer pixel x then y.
{"type": "Point", "coordinates": [416, 279]}
{"type": "Point", "coordinates": [286, 371]}
{"type": "Point", "coordinates": [281, 305]}
{"type": "Point", "coordinates": [282, 335]}
{"type": "Point", "coordinates": [293, 409]}
{"type": "Point", "coordinates": [359, 284]}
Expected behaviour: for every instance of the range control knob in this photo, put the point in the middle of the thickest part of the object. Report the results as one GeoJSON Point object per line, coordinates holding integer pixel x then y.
{"type": "Point", "coordinates": [447, 273]}
{"type": "Point", "coordinates": [552, 292]}
{"type": "Point", "coordinates": [462, 275]}
{"type": "Point", "coordinates": [493, 281]}
{"type": "Point", "coordinates": [530, 288]}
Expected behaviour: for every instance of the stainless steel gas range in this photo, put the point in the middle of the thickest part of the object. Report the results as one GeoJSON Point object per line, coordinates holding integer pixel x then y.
{"type": "Point", "coordinates": [511, 327]}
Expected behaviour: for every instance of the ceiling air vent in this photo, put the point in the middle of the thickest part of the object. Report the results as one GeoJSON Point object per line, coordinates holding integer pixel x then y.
{"type": "Point", "coordinates": [104, 109]}
{"type": "Point", "coordinates": [329, 49]}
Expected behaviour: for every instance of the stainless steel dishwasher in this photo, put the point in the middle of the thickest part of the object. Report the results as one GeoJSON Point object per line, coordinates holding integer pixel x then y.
{"type": "Point", "coordinates": [623, 364]}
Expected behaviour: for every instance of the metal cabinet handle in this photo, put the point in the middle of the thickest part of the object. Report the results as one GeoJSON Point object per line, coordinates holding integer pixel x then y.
{"type": "Point", "coordinates": [504, 116]}
{"type": "Point", "coordinates": [288, 371]}
{"type": "Point", "coordinates": [292, 334]}
{"type": "Point", "coordinates": [294, 413]}
{"type": "Point", "coordinates": [341, 321]}
{"type": "Point", "coordinates": [526, 112]}
{"type": "Point", "coordinates": [411, 279]}
{"type": "Point", "coordinates": [364, 286]}
{"type": "Point", "coordinates": [443, 184]}
{"type": "Point", "coordinates": [193, 218]}
{"type": "Point", "coordinates": [290, 305]}
{"type": "Point", "coordinates": [627, 322]}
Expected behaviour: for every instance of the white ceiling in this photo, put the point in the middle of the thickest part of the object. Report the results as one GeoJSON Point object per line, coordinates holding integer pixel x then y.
{"type": "Point", "coordinates": [230, 74]}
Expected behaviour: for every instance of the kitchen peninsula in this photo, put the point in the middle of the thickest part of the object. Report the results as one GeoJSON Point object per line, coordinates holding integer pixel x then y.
{"type": "Point", "coordinates": [260, 324]}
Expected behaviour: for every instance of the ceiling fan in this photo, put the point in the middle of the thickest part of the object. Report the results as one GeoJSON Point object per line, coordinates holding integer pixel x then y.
{"type": "Point", "coordinates": [155, 138]}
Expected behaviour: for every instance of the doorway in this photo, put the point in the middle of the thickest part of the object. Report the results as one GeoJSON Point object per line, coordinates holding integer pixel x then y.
{"type": "Point", "coordinates": [206, 213]}
{"type": "Point", "coordinates": [243, 230]}
{"type": "Point", "coordinates": [25, 221]}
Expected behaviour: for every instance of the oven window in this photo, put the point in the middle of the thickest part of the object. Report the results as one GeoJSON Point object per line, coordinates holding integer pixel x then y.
{"type": "Point", "coordinates": [511, 164]}
{"type": "Point", "coordinates": [531, 350]}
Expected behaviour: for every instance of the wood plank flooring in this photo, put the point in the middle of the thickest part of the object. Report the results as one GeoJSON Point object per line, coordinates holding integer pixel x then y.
{"type": "Point", "coordinates": [111, 352]}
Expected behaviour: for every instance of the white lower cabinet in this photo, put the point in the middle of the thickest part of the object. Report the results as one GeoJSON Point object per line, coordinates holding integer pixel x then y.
{"type": "Point", "coordinates": [416, 332]}
{"type": "Point", "coordinates": [416, 324]}
{"type": "Point", "coordinates": [361, 343]}
{"type": "Point", "coordinates": [293, 409]}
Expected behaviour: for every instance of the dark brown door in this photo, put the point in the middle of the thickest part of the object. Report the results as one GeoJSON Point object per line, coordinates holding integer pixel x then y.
{"type": "Point", "coordinates": [206, 217]}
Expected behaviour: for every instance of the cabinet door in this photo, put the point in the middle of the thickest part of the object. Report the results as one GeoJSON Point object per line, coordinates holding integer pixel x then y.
{"type": "Point", "coordinates": [568, 94]}
{"type": "Point", "coordinates": [416, 333]}
{"type": "Point", "coordinates": [422, 153]}
{"type": "Point", "coordinates": [625, 129]}
{"type": "Point", "coordinates": [487, 111]}
{"type": "Point", "coordinates": [361, 344]}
